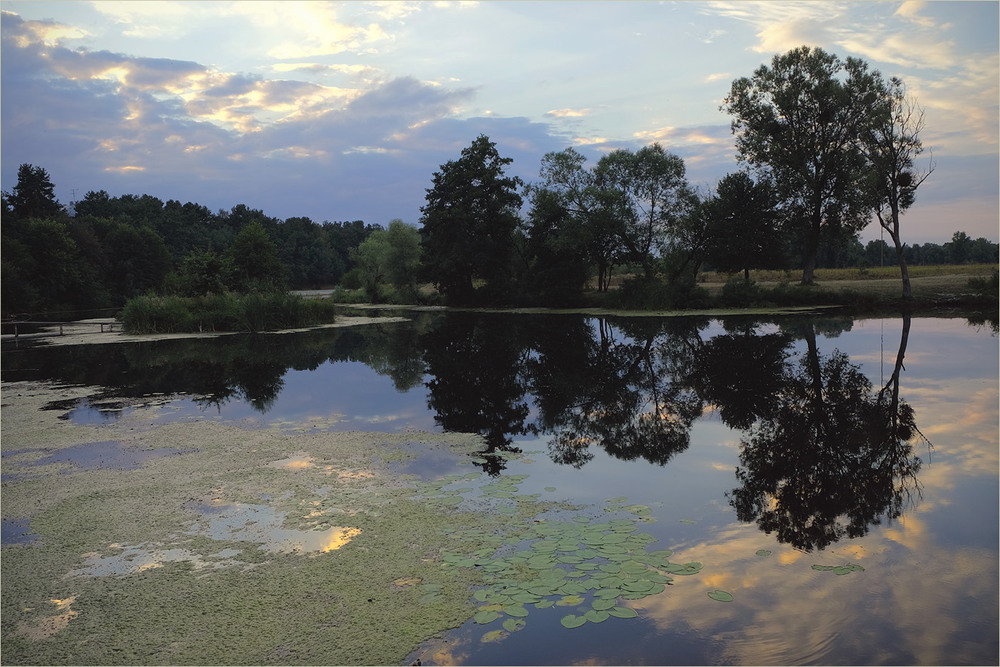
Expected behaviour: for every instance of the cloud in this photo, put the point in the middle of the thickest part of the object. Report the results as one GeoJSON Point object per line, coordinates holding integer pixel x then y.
{"type": "Point", "coordinates": [309, 29]}
{"type": "Point", "coordinates": [568, 113]}
{"type": "Point", "coordinates": [152, 19]}
{"type": "Point", "coordinates": [910, 9]}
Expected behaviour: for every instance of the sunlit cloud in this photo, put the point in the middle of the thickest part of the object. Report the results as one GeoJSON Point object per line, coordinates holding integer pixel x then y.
{"type": "Point", "coordinates": [718, 76]}
{"type": "Point", "coordinates": [309, 29]}
{"type": "Point", "coordinates": [568, 113]}
{"type": "Point", "coordinates": [125, 169]}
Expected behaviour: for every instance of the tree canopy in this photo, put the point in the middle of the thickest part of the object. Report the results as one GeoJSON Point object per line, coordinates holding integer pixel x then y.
{"type": "Point", "coordinates": [469, 223]}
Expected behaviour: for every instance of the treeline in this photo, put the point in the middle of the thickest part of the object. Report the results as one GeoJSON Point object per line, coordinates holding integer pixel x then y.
{"type": "Point", "coordinates": [110, 249]}
{"type": "Point", "coordinates": [487, 238]}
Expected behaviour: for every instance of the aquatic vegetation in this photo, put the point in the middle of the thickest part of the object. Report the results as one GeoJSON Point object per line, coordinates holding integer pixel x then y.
{"type": "Point", "coordinates": [839, 570]}
{"type": "Point", "coordinates": [721, 596]}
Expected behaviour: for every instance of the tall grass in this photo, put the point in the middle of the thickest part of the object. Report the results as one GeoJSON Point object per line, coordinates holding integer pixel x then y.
{"type": "Point", "coordinates": [252, 312]}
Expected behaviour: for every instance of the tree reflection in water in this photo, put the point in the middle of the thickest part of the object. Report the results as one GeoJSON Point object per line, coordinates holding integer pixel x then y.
{"type": "Point", "coordinates": [824, 455]}
{"type": "Point", "coordinates": [833, 458]}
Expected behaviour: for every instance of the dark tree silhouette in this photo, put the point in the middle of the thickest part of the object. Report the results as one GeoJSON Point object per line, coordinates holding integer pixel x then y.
{"type": "Point", "coordinates": [833, 459]}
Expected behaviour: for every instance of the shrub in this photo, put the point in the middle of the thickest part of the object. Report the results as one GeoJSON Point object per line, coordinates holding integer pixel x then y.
{"type": "Point", "coordinates": [253, 312]}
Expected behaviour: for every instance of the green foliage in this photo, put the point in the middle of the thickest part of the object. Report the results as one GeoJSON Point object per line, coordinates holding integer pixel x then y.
{"type": "Point", "coordinates": [800, 120]}
{"type": "Point", "coordinates": [986, 287]}
{"type": "Point", "coordinates": [387, 263]}
{"type": "Point", "coordinates": [34, 195]}
{"type": "Point", "coordinates": [468, 225]}
{"type": "Point", "coordinates": [738, 292]}
{"type": "Point", "coordinates": [251, 312]}
{"type": "Point", "coordinates": [253, 262]}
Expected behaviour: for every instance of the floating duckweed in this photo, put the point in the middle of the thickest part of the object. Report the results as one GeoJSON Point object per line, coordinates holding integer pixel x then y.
{"type": "Point", "coordinates": [721, 596]}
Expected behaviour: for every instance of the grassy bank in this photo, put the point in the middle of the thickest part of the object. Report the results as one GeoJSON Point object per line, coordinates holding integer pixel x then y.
{"type": "Point", "coordinates": [223, 312]}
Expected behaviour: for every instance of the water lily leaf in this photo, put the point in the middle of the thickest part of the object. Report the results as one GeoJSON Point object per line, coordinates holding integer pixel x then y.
{"type": "Point", "coordinates": [763, 552]}
{"type": "Point", "coordinates": [493, 636]}
{"type": "Point", "coordinates": [596, 616]}
{"type": "Point", "coordinates": [525, 597]}
{"type": "Point", "coordinates": [515, 610]}
{"type": "Point", "coordinates": [721, 596]}
{"type": "Point", "coordinates": [572, 621]}
{"type": "Point", "coordinates": [484, 617]}
{"type": "Point", "coordinates": [550, 489]}
{"type": "Point", "coordinates": [619, 499]}
{"type": "Point", "coordinates": [824, 568]}
{"type": "Point", "coordinates": [514, 624]}
{"type": "Point", "coordinates": [581, 519]}
{"type": "Point", "coordinates": [544, 604]}
{"type": "Point", "coordinates": [623, 612]}
{"type": "Point", "coordinates": [603, 604]}
{"type": "Point", "coordinates": [428, 598]}
{"type": "Point", "coordinates": [569, 601]}
{"type": "Point", "coordinates": [688, 521]}
{"type": "Point", "coordinates": [481, 595]}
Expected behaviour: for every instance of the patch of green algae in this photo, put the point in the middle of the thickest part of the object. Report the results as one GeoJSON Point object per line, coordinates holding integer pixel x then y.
{"type": "Point", "coordinates": [189, 590]}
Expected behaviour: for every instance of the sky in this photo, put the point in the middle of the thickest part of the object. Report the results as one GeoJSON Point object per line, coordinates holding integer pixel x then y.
{"type": "Point", "coordinates": [342, 111]}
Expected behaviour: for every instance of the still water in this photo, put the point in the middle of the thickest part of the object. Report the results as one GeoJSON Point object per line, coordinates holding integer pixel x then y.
{"type": "Point", "coordinates": [837, 478]}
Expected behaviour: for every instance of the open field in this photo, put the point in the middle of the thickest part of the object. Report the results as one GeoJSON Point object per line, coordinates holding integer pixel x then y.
{"type": "Point", "coordinates": [926, 282]}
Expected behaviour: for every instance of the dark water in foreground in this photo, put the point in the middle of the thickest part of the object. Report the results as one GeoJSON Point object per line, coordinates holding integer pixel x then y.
{"type": "Point", "coordinates": [764, 450]}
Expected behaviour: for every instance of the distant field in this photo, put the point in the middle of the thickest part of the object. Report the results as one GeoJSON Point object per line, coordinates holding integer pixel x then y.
{"type": "Point", "coordinates": [858, 274]}
{"type": "Point", "coordinates": [925, 281]}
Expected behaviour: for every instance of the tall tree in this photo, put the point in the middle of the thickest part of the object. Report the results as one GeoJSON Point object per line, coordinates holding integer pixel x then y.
{"type": "Point", "coordinates": [743, 226]}
{"type": "Point", "coordinates": [567, 199]}
{"type": "Point", "coordinates": [253, 260]}
{"type": "Point", "coordinates": [892, 142]}
{"type": "Point", "coordinates": [652, 196]}
{"type": "Point", "coordinates": [34, 194]}
{"type": "Point", "coordinates": [469, 223]}
{"type": "Point", "coordinates": [799, 120]}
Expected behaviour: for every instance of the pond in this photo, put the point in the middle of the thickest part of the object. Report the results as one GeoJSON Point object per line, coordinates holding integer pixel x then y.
{"type": "Point", "coordinates": [793, 490]}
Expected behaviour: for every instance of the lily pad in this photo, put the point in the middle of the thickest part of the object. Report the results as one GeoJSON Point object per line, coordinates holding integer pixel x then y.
{"type": "Point", "coordinates": [484, 617]}
{"type": "Point", "coordinates": [569, 601]}
{"type": "Point", "coordinates": [516, 610]}
{"type": "Point", "coordinates": [721, 596]}
{"type": "Point", "coordinates": [763, 552]}
{"type": "Point", "coordinates": [544, 604]}
{"type": "Point", "coordinates": [596, 616]}
{"type": "Point", "coordinates": [493, 636]}
{"type": "Point", "coordinates": [623, 612]}
{"type": "Point", "coordinates": [514, 624]}
{"type": "Point", "coordinates": [603, 604]}
{"type": "Point", "coordinates": [572, 621]}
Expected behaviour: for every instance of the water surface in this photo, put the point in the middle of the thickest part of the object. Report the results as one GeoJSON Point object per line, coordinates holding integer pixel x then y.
{"type": "Point", "coordinates": [772, 452]}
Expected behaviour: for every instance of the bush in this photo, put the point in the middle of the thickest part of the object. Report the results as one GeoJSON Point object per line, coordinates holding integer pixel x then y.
{"type": "Point", "coordinates": [986, 287]}
{"type": "Point", "coordinates": [737, 292]}
{"type": "Point", "coordinates": [253, 312]}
